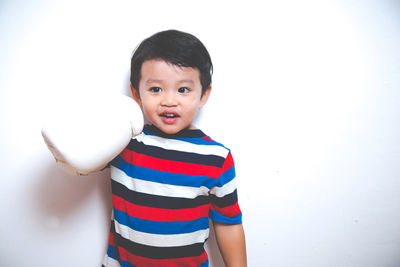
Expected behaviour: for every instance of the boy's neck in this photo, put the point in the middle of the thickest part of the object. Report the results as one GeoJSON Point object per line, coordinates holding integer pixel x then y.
{"type": "Point", "coordinates": [190, 131]}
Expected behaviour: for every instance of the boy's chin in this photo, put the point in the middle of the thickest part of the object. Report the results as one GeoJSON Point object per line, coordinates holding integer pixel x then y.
{"type": "Point", "coordinates": [173, 129]}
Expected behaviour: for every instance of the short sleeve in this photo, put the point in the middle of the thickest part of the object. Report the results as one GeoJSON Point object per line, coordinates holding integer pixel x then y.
{"type": "Point", "coordinates": [224, 200]}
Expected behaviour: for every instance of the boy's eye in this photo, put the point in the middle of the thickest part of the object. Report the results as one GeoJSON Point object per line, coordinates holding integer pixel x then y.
{"type": "Point", "coordinates": [183, 90]}
{"type": "Point", "coordinates": [155, 89]}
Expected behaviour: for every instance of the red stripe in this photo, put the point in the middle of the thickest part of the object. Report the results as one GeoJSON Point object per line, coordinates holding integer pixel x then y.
{"type": "Point", "coordinates": [160, 215]}
{"type": "Point", "coordinates": [208, 138]}
{"type": "Point", "coordinates": [142, 160]}
{"type": "Point", "coordinates": [230, 211]}
{"type": "Point", "coordinates": [111, 239]}
{"type": "Point", "coordinates": [143, 261]}
{"type": "Point", "coordinates": [228, 163]}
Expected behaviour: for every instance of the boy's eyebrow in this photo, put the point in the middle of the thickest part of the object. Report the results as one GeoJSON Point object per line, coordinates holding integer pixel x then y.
{"type": "Point", "coordinates": [153, 81]}
{"type": "Point", "coordinates": [186, 81]}
{"type": "Point", "coordinates": [160, 81]}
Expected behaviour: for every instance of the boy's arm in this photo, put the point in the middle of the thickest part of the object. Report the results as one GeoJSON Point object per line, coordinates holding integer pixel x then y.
{"type": "Point", "coordinates": [231, 243]}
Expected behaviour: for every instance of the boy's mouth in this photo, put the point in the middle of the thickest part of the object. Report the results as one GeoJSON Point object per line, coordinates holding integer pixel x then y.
{"type": "Point", "coordinates": [169, 117]}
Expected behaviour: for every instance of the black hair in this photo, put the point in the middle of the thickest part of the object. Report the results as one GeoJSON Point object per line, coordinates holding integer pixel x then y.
{"type": "Point", "coordinates": [175, 47]}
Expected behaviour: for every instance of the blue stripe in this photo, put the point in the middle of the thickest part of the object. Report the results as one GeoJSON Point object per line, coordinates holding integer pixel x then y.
{"type": "Point", "coordinates": [218, 217]}
{"type": "Point", "coordinates": [196, 141]}
{"type": "Point", "coordinates": [126, 264]}
{"type": "Point", "coordinates": [200, 141]}
{"type": "Point", "coordinates": [204, 264]}
{"type": "Point", "coordinates": [160, 228]}
{"type": "Point", "coordinates": [227, 176]}
{"type": "Point", "coordinates": [111, 251]}
{"type": "Point", "coordinates": [147, 174]}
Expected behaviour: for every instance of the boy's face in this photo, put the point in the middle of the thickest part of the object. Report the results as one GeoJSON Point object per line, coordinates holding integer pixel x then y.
{"type": "Point", "coordinates": [169, 95]}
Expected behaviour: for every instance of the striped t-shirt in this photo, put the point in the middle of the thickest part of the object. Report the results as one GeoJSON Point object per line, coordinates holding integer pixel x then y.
{"type": "Point", "coordinates": [164, 190]}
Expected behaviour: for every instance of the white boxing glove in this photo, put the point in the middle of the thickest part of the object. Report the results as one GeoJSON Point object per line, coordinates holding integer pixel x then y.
{"type": "Point", "coordinates": [89, 133]}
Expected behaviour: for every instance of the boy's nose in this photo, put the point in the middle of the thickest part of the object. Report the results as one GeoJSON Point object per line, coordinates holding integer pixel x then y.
{"type": "Point", "coordinates": [169, 99]}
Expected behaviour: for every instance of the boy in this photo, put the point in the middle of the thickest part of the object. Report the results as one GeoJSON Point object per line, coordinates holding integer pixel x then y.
{"type": "Point", "coordinates": [172, 177]}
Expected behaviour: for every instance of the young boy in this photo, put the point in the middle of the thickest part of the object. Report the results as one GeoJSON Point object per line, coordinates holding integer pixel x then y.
{"type": "Point", "coordinates": [172, 177]}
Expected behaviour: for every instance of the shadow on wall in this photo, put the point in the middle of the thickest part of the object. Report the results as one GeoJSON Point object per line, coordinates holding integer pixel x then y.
{"type": "Point", "coordinates": [213, 250]}
{"type": "Point", "coordinates": [60, 195]}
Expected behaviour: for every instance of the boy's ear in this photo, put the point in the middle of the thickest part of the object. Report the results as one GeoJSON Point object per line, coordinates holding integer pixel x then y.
{"type": "Point", "coordinates": [205, 97]}
{"type": "Point", "coordinates": [135, 95]}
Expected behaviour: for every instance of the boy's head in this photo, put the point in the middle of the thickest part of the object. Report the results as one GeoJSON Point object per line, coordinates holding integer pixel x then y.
{"type": "Point", "coordinates": [175, 47]}
{"type": "Point", "coordinates": [171, 79]}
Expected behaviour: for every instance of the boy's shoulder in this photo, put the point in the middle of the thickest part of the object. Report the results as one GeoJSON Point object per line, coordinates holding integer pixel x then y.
{"type": "Point", "coordinates": [207, 140]}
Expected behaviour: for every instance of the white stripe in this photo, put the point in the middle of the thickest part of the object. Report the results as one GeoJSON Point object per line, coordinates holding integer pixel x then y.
{"type": "Point", "coordinates": [183, 146]}
{"type": "Point", "coordinates": [161, 240]}
{"type": "Point", "coordinates": [110, 262]}
{"type": "Point", "coordinates": [154, 188]}
{"type": "Point", "coordinates": [225, 189]}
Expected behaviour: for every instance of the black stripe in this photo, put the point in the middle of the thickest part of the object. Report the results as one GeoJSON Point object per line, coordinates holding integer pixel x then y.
{"type": "Point", "coordinates": [225, 201]}
{"type": "Point", "coordinates": [155, 201]}
{"type": "Point", "coordinates": [175, 155]}
{"type": "Point", "coordinates": [158, 252]}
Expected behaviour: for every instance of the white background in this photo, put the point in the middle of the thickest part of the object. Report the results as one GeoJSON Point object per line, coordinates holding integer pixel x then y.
{"type": "Point", "coordinates": [305, 93]}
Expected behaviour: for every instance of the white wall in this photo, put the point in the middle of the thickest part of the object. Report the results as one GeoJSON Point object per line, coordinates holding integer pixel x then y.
{"type": "Point", "coordinates": [306, 93]}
